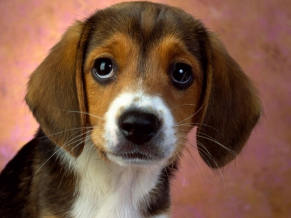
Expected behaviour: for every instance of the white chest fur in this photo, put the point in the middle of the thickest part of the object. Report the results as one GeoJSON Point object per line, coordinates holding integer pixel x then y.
{"type": "Point", "coordinates": [107, 190]}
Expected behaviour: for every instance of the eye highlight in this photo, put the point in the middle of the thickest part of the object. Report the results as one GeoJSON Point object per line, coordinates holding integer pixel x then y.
{"type": "Point", "coordinates": [182, 76]}
{"type": "Point", "coordinates": [103, 69]}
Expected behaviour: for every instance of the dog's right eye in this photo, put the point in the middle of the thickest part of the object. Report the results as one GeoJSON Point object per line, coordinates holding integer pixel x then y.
{"type": "Point", "coordinates": [103, 69]}
{"type": "Point", "coordinates": [182, 76]}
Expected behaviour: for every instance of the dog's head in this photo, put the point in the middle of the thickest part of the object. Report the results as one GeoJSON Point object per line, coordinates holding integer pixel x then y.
{"type": "Point", "coordinates": [134, 79]}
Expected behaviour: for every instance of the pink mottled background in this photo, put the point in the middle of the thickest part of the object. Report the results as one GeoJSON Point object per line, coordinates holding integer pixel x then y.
{"type": "Point", "coordinates": [256, 33]}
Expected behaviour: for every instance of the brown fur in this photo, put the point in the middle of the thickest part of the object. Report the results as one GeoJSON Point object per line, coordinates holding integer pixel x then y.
{"type": "Point", "coordinates": [55, 93]}
{"type": "Point", "coordinates": [230, 111]}
{"type": "Point", "coordinates": [155, 80]}
{"type": "Point", "coordinates": [144, 40]}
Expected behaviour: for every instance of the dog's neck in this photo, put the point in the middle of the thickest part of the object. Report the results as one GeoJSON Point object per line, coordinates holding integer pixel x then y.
{"type": "Point", "coordinates": [106, 189]}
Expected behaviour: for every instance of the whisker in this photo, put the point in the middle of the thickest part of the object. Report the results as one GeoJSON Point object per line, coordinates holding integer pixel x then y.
{"type": "Point", "coordinates": [58, 149]}
{"type": "Point", "coordinates": [126, 180]}
{"type": "Point", "coordinates": [77, 128]}
{"type": "Point", "coordinates": [179, 155]}
{"type": "Point", "coordinates": [212, 158]}
{"type": "Point", "coordinates": [80, 112]}
{"type": "Point", "coordinates": [183, 105]}
{"type": "Point", "coordinates": [192, 114]}
{"type": "Point", "coordinates": [80, 141]}
{"type": "Point", "coordinates": [203, 152]}
{"type": "Point", "coordinates": [206, 152]}
{"type": "Point", "coordinates": [72, 140]}
{"type": "Point", "coordinates": [165, 168]}
{"type": "Point", "coordinates": [197, 165]}
{"type": "Point", "coordinates": [197, 124]}
{"type": "Point", "coordinates": [61, 181]}
{"type": "Point", "coordinates": [216, 142]}
{"type": "Point", "coordinates": [91, 150]}
{"type": "Point", "coordinates": [208, 137]}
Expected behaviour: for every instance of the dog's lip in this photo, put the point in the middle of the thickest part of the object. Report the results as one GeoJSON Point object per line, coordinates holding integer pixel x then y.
{"type": "Point", "coordinates": [134, 155]}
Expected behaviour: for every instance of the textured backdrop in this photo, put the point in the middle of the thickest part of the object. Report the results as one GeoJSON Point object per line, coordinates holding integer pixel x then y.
{"type": "Point", "coordinates": [256, 33]}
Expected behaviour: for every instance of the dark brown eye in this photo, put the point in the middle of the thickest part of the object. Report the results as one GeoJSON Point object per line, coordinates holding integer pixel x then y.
{"type": "Point", "coordinates": [103, 68]}
{"type": "Point", "coordinates": [182, 76]}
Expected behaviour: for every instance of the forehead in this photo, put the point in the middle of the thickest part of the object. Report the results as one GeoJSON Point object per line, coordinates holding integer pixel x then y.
{"type": "Point", "coordinates": [147, 24]}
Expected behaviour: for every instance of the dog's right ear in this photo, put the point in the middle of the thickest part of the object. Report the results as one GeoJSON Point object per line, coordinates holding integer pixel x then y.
{"type": "Point", "coordinates": [231, 108]}
{"type": "Point", "coordinates": [55, 93]}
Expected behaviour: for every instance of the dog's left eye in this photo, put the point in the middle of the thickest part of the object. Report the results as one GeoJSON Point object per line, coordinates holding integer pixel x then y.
{"type": "Point", "coordinates": [103, 68]}
{"type": "Point", "coordinates": [182, 76]}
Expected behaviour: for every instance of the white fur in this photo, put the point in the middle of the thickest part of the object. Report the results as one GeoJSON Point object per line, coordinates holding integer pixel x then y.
{"type": "Point", "coordinates": [161, 216]}
{"type": "Point", "coordinates": [139, 100]}
{"type": "Point", "coordinates": [115, 188]}
{"type": "Point", "coordinates": [108, 190]}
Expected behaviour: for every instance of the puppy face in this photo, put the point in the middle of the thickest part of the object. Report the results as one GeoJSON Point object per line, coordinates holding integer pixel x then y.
{"type": "Point", "coordinates": [139, 76]}
{"type": "Point", "coordinates": [146, 96]}
{"type": "Point", "coordinates": [141, 82]}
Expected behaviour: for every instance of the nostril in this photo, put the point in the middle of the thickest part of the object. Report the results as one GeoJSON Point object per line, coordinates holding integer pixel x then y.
{"type": "Point", "coordinates": [148, 130]}
{"type": "Point", "coordinates": [138, 127]}
{"type": "Point", "coordinates": [127, 128]}
{"type": "Point", "coordinates": [151, 128]}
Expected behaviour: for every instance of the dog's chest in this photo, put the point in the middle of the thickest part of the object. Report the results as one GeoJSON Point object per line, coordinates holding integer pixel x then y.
{"type": "Point", "coordinates": [106, 190]}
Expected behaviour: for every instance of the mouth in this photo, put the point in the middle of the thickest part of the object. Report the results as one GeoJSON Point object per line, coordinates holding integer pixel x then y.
{"type": "Point", "coordinates": [132, 158]}
{"type": "Point", "coordinates": [135, 156]}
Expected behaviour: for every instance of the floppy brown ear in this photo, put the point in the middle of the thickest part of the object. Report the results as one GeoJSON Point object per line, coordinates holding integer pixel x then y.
{"type": "Point", "coordinates": [55, 93]}
{"type": "Point", "coordinates": [230, 109]}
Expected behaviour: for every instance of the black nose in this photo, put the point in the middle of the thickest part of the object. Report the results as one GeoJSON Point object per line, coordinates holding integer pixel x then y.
{"type": "Point", "coordinates": [138, 127]}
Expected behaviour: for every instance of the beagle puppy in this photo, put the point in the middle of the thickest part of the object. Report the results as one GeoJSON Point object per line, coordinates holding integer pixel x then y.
{"type": "Point", "coordinates": [115, 99]}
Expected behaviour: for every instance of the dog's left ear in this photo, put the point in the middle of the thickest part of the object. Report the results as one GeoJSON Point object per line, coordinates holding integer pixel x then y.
{"type": "Point", "coordinates": [229, 110]}
{"type": "Point", "coordinates": [55, 92]}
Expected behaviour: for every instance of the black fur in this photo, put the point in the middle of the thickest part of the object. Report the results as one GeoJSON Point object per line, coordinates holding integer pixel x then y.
{"type": "Point", "coordinates": [27, 184]}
